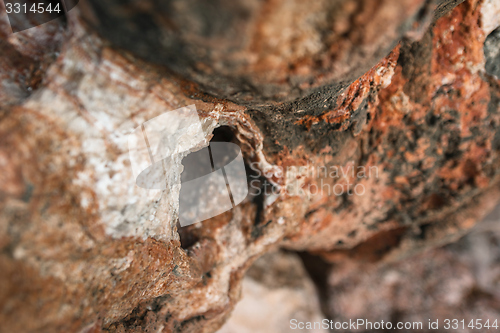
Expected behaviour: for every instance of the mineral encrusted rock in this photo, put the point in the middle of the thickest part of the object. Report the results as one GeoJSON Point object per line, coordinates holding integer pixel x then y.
{"type": "Point", "coordinates": [408, 88]}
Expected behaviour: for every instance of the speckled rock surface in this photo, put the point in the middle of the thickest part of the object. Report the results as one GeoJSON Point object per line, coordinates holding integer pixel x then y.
{"type": "Point", "coordinates": [85, 250]}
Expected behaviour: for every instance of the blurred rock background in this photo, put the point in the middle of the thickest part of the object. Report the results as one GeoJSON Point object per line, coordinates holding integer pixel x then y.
{"type": "Point", "coordinates": [457, 281]}
{"type": "Point", "coordinates": [409, 88]}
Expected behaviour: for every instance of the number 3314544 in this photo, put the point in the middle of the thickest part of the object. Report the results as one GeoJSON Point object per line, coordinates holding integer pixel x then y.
{"type": "Point", "coordinates": [16, 8]}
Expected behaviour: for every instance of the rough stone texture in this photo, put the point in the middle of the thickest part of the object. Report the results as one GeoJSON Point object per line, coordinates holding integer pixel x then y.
{"type": "Point", "coordinates": [85, 250]}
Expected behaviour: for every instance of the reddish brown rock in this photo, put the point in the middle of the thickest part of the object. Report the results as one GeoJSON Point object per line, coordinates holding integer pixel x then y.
{"type": "Point", "coordinates": [85, 250]}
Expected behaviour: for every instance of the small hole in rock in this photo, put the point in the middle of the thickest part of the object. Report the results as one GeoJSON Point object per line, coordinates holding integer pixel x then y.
{"type": "Point", "coordinates": [187, 237]}
{"type": "Point", "coordinates": [223, 134]}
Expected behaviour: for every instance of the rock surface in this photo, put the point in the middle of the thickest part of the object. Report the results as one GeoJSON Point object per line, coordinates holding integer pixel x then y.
{"type": "Point", "coordinates": [85, 250]}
